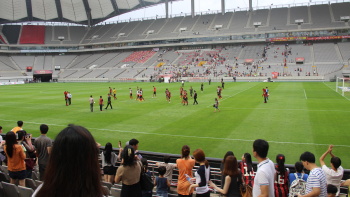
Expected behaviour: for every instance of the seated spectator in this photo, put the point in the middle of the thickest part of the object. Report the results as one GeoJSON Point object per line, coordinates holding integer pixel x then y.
{"type": "Point", "coordinates": [73, 168]}
{"type": "Point", "coordinates": [162, 183]}
{"type": "Point", "coordinates": [334, 174]}
{"type": "Point", "coordinates": [299, 173]}
{"type": "Point", "coordinates": [15, 159]}
{"type": "Point", "coordinates": [109, 161]}
{"type": "Point", "coordinates": [169, 168]}
{"type": "Point", "coordinates": [332, 190]}
{"type": "Point", "coordinates": [129, 173]}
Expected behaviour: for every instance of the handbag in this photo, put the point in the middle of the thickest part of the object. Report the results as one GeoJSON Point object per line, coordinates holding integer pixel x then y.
{"type": "Point", "coordinates": [245, 189]}
{"type": "Point", "coordinates": [146, 181]}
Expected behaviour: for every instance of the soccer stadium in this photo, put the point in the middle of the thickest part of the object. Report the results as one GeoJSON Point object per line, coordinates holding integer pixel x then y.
{"type": "Point", "coordinates": [215, 81]}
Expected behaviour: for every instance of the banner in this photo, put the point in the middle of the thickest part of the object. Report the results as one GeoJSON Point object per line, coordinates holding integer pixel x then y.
{"type": "Point", "coordinates": [281, 39]}
{"type": "Point", "coordinates": [299, 60]}
{"type": "Point", "coordinates": [40, 72]}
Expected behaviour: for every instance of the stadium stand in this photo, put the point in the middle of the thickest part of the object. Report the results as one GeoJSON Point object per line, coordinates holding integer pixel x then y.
{"type": "Point", "coordinates": [11, 32]}
{"type": "Point", "coordinates": [32, 34]}
{"type": "Point", "coordinates": [297, 13]}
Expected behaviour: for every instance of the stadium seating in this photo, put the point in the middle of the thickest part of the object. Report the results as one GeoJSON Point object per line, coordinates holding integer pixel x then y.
{"type": "Point", "coordinates": [32, 34]}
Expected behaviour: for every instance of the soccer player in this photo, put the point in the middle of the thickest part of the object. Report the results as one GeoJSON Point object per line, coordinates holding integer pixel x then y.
{"type": "Point", "coordinates": [141, 95]}
{"type": "Point", "coordinates": [218, 91]}
{"type": "Point", "coordinates": [114, 93]}
{"type": "Point", "coordinates": [216, 105]}
{"type": "Point", "coordinates": [195, 98]}
{"type": "Point", "coordinates": [65, 97]}
{"type": "Point", "coordinates": [69, 96]}
{"type": "Point", "coordinates": [100, 103]}
{"type": "Point", "coordinates": [202, 87]}
{"type": "Point", "coordinates": [91, 100]}
{"type": "Point", "coordinates": [109, 102]}
{"type": "Point", "coordinates": [191, 91]}
{"type": "Point", "coordinates": [264, 95]}
{"type": "Point", "coordinates": [110, 90]}
{"type": "Point", "coordinates": [154, 92]}
{"type": "Point", "coordinates": [267, 93]}
{"type": "Point", "coordinates": [185, 99]}
{"type": "Point", "coordinates": [130, 93]}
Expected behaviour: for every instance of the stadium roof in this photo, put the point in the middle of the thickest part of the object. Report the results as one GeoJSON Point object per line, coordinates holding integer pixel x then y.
{"type": "Point", "coordinates": [87, 12]}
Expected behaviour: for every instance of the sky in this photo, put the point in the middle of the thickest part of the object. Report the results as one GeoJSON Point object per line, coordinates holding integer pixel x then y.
{"type": "Point", "coordinates": [211, 6]}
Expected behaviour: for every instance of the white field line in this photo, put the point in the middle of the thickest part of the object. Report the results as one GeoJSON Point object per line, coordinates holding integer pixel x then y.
{"type": "Point", "coordinates": [322, 110]}
{"type": "Point", "coordinates": [336, 92]}
{"type": "Point", "coordinates": [187, 136]}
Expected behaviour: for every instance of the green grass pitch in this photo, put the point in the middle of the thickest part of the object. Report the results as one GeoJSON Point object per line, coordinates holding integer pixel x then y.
{"type": "Point", "coordinates": [299, 116]}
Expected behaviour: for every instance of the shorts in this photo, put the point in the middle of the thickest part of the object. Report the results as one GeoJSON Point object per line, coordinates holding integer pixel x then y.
{"type": "Point", "coordinates": [17, 174]}
{"type": "Point", "coordinates": [109, 170]}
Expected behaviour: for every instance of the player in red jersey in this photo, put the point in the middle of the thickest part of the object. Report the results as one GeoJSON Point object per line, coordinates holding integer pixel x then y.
{"type": "Point", "coordinates": [154, 92]}
{"type": "Point", "coordinates": [101, 103]}
{"type": "Point", "coordinates": [265, 95]}
{"type": "Point", "coordinates": [66, 97]}
{"type": "Point", "coordinates": [185, 98]}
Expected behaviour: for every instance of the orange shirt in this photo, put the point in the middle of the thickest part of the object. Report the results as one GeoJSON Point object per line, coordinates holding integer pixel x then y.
{"type": "Point", "coordinates": [185, 167]}
{"type": "Point", "coordinates": [15, 129]}
{"type": "Point", "coordinates": [16, 162]}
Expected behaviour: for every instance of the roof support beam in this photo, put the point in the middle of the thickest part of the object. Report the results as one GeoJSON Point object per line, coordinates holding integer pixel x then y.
{"type": "Point", "coordinates": [166, 8]}
{"type": "Point", "coordinates": [192, 8]}
{"type": "Point", "coordinates": [29, 10]}
{"type": "Point", "coordinates": [222, 7]}
{"type": "Point", "coordinates": [115, 7]}
{"type": "Point", "coordinates": [59, 10]}
{"type": "Point", "coordinates": [88, 12]}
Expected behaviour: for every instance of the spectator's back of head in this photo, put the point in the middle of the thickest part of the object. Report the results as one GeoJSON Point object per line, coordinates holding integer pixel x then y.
{"type": "Point", "coordinates": [185, 151]}
{"type": "Point", "coordinates": [161, 170]}
{"type": "Point", "coordinates": [307, 156]}
{"type": "Point", "coordinates": [336, 162]}
{"type": "Point", "coordinates": [21, 134]}
{"type": "Point", "coordinates": [166, 159]}
{"type": "Point", "coordinates": [228, 153]}
{"type": "Point", "coordinates": [128, 156]}
{"type": "Point", "coordinates": [331, 190]}
{"type": "Point", "coordinates": [20, 123]}
{"type": "Point", "coordinates": [73, 146]}
{"type": "Point", "coordinates": [261, 147]}
{"type": "Point", "coordinates": [133, 142]}
{"type": "Point", "coordinates": [44, 129]}
{"type": "Point", "coordinates": [299, 167]}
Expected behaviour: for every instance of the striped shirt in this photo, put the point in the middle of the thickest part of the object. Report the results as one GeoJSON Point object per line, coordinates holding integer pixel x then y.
{"type": "Point", "coordinates": [317, 178]}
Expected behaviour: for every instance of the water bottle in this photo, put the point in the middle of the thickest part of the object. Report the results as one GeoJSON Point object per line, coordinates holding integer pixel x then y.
{"type": "Point", "coordinates": [188, 178]}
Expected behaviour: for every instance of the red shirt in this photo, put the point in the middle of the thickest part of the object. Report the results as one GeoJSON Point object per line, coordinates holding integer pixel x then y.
{"type": "Point", "coordinates": [101, 101]}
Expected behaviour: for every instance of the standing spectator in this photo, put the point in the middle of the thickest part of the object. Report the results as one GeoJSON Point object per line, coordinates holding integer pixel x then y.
{"type": "Point", "coordinates": [232, 178]}
{"type": "Point", "coordinates": [222, 164]}
{"type": "Point", "coordinates": [299, 173]}
{"type": "Point", "coordinates": [162, 183]}
{"type": "Point", "coordinates": [334, 174]}
{"type": "Point", "coordinates": [2, 156]}
{"type": "Point", "coordinates": [129, 173]}
{"type": "Point", "coordinates": [109, 101]}
{"type": "Point", "coordinates": [135, 144]}
{"type": "Point", "coordinates": [100, 103]}
{"type": "Point", "coordinates": [247, 169]}
{"type": "Point", "coordinates": [264, 178]}
{"type": "Point", "coordinates": [169, 168]}
{"type": "Point", "coordinates": [281, 177]}
{"type": "Point", "coordinates": [73, 168]}
{"type": "Point", "coordinates": [91, 101]}
{"type": "Point", "coordinates": [43, 146]}
{"type": "Point", "coordinates": [195, 98]}
{"type": "Point", "coordinates": [19, 126]}
{"type": "Point", "coordinates": [15, 159]}
{"type": "Point", "coordinates": [146, 193]}
{"type": "Point", "coordinates": [316, 182]}
{"type": "Point", "coordinates": [202, 174]}
{"type": "Point", "coordinates": [185, 165]}
{"type": "Point", "coordinates": [109, 160]}
{"type": "Point", "coordinates": [26, 140]}
{"type": "Point", "coordinates": [69, 96]}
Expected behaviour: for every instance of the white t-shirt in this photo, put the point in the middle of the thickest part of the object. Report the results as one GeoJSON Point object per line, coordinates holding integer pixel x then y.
{"type": "Point", "coordinates": [333, 177]}
{"type": "Point", "coordinates": [265, 175]}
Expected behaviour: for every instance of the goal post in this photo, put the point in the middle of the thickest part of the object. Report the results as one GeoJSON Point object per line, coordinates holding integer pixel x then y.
{"type": "Point", "coordinates": [342, 86]}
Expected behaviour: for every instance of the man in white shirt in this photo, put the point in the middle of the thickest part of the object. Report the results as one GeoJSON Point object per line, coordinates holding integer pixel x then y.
{"type": "Point", "coordinates": [264, 178]}
{"type": "Point", "coordinates": [334, 174]}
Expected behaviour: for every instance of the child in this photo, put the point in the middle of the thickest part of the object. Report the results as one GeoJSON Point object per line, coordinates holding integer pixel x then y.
{"type": "Point", "coordinates": [162, 183]}
{"type": "Point", "coordinates": [331, 190]}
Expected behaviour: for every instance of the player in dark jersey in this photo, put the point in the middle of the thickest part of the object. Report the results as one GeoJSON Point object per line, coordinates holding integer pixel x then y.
{"type": "Point", "coordinates": [195, 98]}
{"type": "Point", "coordinates": [191, 91]}
{"type": "Point", "coordinates": [130, 93]}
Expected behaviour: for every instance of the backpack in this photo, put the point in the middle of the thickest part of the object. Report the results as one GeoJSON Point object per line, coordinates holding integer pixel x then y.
{"type": "Point", "coordinates": [298, 186]}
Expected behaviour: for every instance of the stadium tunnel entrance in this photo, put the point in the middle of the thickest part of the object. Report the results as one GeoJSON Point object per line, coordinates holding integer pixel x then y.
{"type": "Point", "coordinates": [42, 75]}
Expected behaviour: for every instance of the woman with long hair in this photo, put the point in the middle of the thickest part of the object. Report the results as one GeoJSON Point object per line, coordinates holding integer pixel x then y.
{"type": "Point", "coordinates": [185, 165]}
{"type": "Point", "coordinates": [109, 160]}
{"type": "Point", "coordinates": [247, 169]}
{"type": "Point", "coordinates": [232, 180]}
{"type": "Point", "coordinates": [129, 173]}
{"type": "Point", "coordinates": [202, 174]}
{"type": "Point", "coordinates": [73, 168]}
{"type": "Point", "coordinates": [228, 153]}
{"type": "Point", "coordinates": [281, 177]}
{"type": "Point", "coordinates": [15, 159]}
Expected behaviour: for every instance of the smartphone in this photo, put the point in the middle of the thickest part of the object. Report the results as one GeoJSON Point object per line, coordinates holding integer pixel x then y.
{"type": "Point", "coordinates": [120, 144]}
